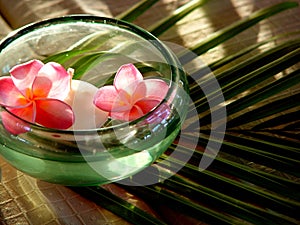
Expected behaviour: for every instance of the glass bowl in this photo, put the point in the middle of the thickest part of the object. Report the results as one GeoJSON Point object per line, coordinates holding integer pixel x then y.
{"type": "Point", "coordinates": [97, 155]}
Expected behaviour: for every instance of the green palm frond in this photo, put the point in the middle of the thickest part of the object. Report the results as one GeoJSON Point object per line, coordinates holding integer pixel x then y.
{"type": "Point", "coordinates": [237, 27]}
{"type": "Point", "coordinates": [255, 177]}
{"type": "Point", "coordinates": [137, 10]}
{"type": "Point", "coordinates": [163, 25]}
{"type": "Point", "coordinates": [118, 206]}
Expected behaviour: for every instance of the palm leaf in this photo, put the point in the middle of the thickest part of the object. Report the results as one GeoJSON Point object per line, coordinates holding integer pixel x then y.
{"type": "Point", "coordinates": [263, 179]}
{"type": "Point", "coordinates": [118, 206]}
{"type": "Point", "coordinates": [264, 111]}
{"type": "Point", "coordinates": [254, 179]}
{"type": "Point", "coordinates": [137, 10]}
{"type": "Point", "coordinates": [278, 121]}
{"type": "Point", "coordinates": [237, 79]}
{"type": "Point", "coordinates": [163, 25]}
{"type": "Point", "coordinates": [232, 30]}
{"type": "Point", "coordinates": [229, 58]}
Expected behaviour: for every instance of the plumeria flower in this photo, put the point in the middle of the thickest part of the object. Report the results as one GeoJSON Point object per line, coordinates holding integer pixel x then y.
{"type": "Point", "coordinates": [35, 92]}
{"type": "Point", "coordinates": [130, 96]}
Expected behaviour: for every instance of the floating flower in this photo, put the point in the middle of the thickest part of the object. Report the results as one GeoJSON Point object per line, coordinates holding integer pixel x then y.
{"type": "Point", "coordinates": [35, 92]}
{"type": "Point", "coordinates": [13, 124]}
{"type": "Point", "coordinates": [130, 96]}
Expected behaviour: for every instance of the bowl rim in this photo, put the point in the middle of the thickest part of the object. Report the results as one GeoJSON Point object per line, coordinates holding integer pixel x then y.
{"type": "Point", "coordinates": [169, 56]}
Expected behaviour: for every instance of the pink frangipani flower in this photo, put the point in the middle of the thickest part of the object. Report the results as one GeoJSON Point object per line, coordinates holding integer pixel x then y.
{"type": "Point", "coordinates": [35, 92]}
{"type": "Point", "coordinates": [131, 96]}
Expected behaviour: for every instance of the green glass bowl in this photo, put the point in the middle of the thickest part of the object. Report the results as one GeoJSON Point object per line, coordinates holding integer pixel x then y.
{"type": "Point", "coordinates": [97, 155]}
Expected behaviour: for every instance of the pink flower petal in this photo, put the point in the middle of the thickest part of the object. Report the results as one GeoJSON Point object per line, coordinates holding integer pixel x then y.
{"type": "Point", "coordinates": [41, 87]}
{"type": "Point", "coordinates": [139, 92]}
{"type": "Point", "coordinates": [124, 116]}
{"type": "Point", "coordinates": [27, 113]}
{"type": "Point", "coordinates": [14, 125]}
{"type": "Point", "coordinates": [54, 113]}
{"type": "Point", "coordinates": [155, 89]}
{"type": "Point", "coordinates": [10, 96]}
{"type": "Point", "coordinates": [129, 115]}
{"type": "Point", "coordinates": [126, 76]}
{"type": "Point", "coordinates": [59, 78]}
{"type": "Point", "coordinates": [146, 105]}
{"type": "Point", "coordinates": [107, 98]}
{"type": "Point", "coordinates": [23, 75]}
{"type": "Point", "coordinates": [135, 113]}
{"type": "Point", "coordinates": [131, 97]}
{"type": "Point", "coordinates": [138, 110]}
